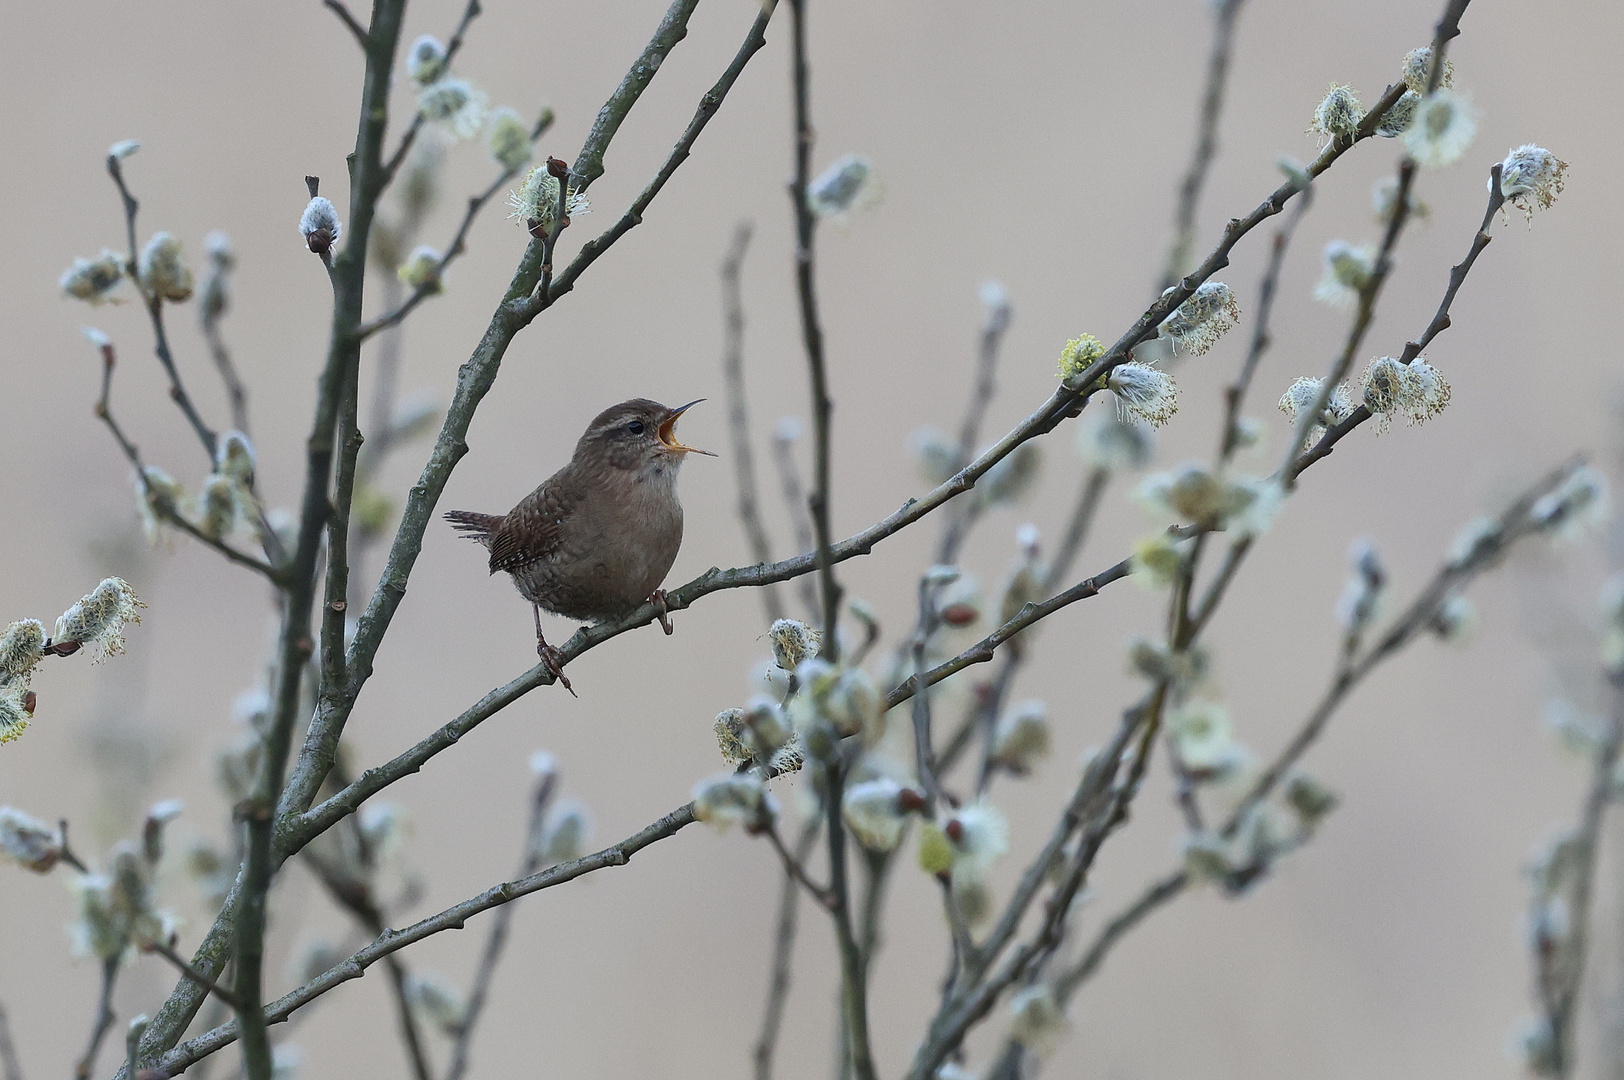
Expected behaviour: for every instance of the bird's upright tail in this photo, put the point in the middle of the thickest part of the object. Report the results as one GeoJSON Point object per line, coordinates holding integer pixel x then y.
{"type": "Point", "coordinates": [474, 526]}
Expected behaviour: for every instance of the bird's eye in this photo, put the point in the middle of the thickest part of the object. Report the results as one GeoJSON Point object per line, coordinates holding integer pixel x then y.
{"type": "Point", "coordinates": [635, 427]}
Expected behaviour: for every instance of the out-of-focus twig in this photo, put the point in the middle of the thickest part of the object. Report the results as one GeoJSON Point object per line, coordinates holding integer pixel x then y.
{"type": "Point", "coordinates": [1224, 14]}
{"type": "Point", "coordinates": [10, 1067]}
{"type": "Point", "coordinates": [738, 418]}
{"type": "Point", "coordinates": [778, 982]}
{"type": "Point", "coordinates": [103, 1022]}
{"type": "Point", "coordinates": [496, 940]}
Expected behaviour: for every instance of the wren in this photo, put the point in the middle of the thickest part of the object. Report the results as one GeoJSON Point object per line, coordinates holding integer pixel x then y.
{"type": "Point", "coordinates": [597, 538]}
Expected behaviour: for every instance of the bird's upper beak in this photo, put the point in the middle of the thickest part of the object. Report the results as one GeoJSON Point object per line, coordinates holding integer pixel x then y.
{"type": "Point", "coordinates": [668, 433]}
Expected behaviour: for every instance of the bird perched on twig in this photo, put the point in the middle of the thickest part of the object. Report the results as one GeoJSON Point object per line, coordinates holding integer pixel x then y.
{"type": "Point", "coordinates": [598, 536]}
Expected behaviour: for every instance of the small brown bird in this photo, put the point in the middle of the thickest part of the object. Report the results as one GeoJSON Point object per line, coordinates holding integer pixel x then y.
{"type": "Point", "coordinates": [597, 538]}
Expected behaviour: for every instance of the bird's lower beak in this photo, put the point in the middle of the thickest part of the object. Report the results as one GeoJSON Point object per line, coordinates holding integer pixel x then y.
{"type": "Point", "coordinates": [668, 432]}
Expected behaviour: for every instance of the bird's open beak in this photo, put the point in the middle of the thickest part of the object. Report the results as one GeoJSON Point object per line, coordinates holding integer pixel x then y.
{"type": "Point", "coordinates": [668, 433]}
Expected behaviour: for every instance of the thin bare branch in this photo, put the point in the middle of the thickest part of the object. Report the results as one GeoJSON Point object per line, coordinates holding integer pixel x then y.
{"type": "Point", "coordinates": [103, 1022]}
{"type": "Point", "coordinates": [356, 30]}
{"type": "Point", "coordinates": [452, 47]}
{"type": "Point", "coordinates": [1224, 15]}
{"type": "Point", "coordinates": [453, 918]}
{"type": "Point", "coordinates": [496, 939]}
{"type": "Point", "coordinates": [738, 418]}
{"type": "Point", "coordinates": [778, 983]}
{"type": "Point", "coordinates": [10, 1067]}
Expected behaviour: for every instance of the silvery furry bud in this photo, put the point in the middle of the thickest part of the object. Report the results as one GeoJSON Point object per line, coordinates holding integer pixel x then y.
{"type": "Point", "coordinates": [29, 843]}
{"type": "Point", "coordinates": [1338, 113]}
{"type": "Point", "coordinates": [161, 271]}
{"type": "Point", "coordinates": [425, 60]}
{"type": "Point", "coordinates": [847, 185]}
{"type": "Point", "coordinates": [1197, 324]}
{"type": "Point", "coordinates": [97, 620]}
{"type": "Point", "coordinates": [455, 104]}
{"type": "Point", "coordinates": [508, 139]}
{"type": "Point", "coordinates": [1532, 177]}
{"type": "Point", "coordinates": [21, 647]}
{"type": "Point", "coordinates": [793, 642]}
{"type": "Point", "coordinates": [421, 270]}
{"type": "Point", "coordinates": [935, 454]}
{"type": "Point", "coordinates": [730, 798]}
{"type": "Point", "coordinates": [1417, 70]}
{"type": "Point", "coordinates": [1357, 605]}
{"type": "Point", "coordinates": [1444, 127]}
{"type": "Point", "coordinates": [535, 204]}
{"type": "Point", "coordinates": [1039, 1020]}
{"type": "Point", "coordinates": [319, 225]}
{"type": "Point", "coordinates": [1022, 738]}
{"type": "Point", "coordinates": [1347, 271]}
{"type": "Point", "coordinates": [874, 813]}
{"type": "Point", "coordinates": [565, 833]}
{"type": "Point", "coordinates": [1143, 393]}
{"type": "Point", "coordinates": [93, 280]}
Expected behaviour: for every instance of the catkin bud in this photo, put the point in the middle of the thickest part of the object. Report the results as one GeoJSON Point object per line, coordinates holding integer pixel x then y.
{"type": "Point", "coordinates": [1532, 177]}
{"type": "Point", "coordinates": [874, 813]}
{"type": "Point", "coordinates": [319, 225]}
{"type": "Point", "coordinates": [1022, 737]}
{"type": "Point", "coordinates": [421, 270]}
{"type": "Point", "coordinates": [1415, 391]}
{"type": "Point", "coordinates": [161, 271]}
{"type": "Point", "coordinates": [1078, 354]}
{"type": "Point", "coordinates": [426, 60]}
{"type": "Point", "coordinates": [1444, 127]}
{"type": "Point", "coordinates": [1338, 113]}
{"type": "Point", "coordinates": [1357, 605]}
{"type": "Point", "coordinates": [937, 457]}
{"type": "Point", "coordinates": [1417, 70]}
{"type": "Point", "coordinates": [1197, 324]}
{"type": "Point", "coordinates": [535, 204]}
{"type": "Point", "coordinates": [793, 642]}
{"type": "Point", "coordinates": [508, 139]}
{"type": "Point", "coordinates": [1038, 1019]}
{"type": "Point", "coordinates": [565, 833]}
{"type": "Point", "coordinates": [16, 709]}
{"type": "Point", "coordinates": [1347, 272]}
{"type": "Point", "coordinates": [93, 280]}
{"type": "Point", "coordinates": [437, 1001]}
{"type": "Point", "coordinates": [20, 649]}
{"type": "Point", "coordinates": [1204, 740]}
{"type": "Point", "coordinates": [1143, 393]}
{"type": "Point", "coordinates": [1397, 120]}
{"type": "Point", "coordinates": [848, 184]}
{"type": "Point", "coordinates": [217, 507]}
{"type": "Point", "coordinates": [29, 843]}
{"type": "Point", "coordinates": [97, 621]}
{"type": "Point", "coordinates": [732, 798]}
{"type": "Point", "coordinates": [455, 104]}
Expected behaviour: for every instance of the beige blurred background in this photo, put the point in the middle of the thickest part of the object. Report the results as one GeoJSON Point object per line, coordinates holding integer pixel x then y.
{"type": "Point", "coordinates": [1039, 144]}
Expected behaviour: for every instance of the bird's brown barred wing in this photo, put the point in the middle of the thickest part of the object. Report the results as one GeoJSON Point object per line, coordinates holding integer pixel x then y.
{"type": "Point", "coordinates": [531, 530]}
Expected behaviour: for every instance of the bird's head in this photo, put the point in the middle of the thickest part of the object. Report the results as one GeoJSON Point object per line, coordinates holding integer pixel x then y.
{"type": "Point", "coordinates": [637, 435]}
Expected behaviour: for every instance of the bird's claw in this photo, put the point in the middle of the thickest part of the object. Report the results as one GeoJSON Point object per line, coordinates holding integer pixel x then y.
{"type": "Point", "coordinates": [657, 598]}
{"type": "Point", "coordinates": [553, 659]}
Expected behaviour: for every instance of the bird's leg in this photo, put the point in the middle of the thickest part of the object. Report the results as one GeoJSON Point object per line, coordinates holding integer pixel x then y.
{"type": "Point", "coordinates": [550, 656]}
{"type": "Point", "coordinates": [657, 598]}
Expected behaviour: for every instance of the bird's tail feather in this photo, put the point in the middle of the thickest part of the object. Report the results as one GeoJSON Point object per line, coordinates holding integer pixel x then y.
{"type": "Point", "coordinates": [477, 527]}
